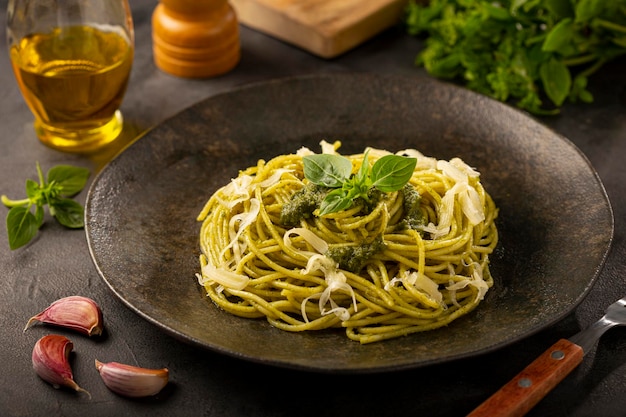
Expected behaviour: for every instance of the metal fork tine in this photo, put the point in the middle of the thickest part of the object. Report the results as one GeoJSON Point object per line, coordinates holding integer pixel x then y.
{"type": "Point", "coordinates": [615, 316]}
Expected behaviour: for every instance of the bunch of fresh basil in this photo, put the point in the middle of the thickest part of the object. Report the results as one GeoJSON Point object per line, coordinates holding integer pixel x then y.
{"type": "Point", "coordinates": [534, 53]}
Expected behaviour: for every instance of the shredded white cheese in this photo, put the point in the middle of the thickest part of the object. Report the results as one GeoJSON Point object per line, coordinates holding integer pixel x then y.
{"type": "Point", "coordinates": [423, 162]}
{"type": "Point", "coordinates": [328, 148]}
{"type": "Point", "coordinates": [237, 225]}
{"type": "Point", "coordinates": [335, 279]}
{"type": "Point", "coordinates": [476, 280]}
{"type": "Point", "coordinates": [238, 189]}
{"type": "Point", "coordinates": [317, 242]}
{"type": "Point", "coordinates": [420, 282]}
{"type": "Point", "coordinates": [222, 276]}
{"type": "Point", "coordinates": [241, 188]}
{"type": "Point", "coordinates": [468, 170]}
{"type": "Point", "coordinates": [467, 196]}
{"type": "Point", "coordinates": [274, 178]}
{"type": "Point", "coordinates": [304, 151]}
{"type": "Point", "coordinates": [377, 152]}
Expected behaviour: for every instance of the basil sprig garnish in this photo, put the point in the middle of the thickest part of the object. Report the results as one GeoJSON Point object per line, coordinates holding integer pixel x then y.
{"type": "Point", "coordinates": [389, 173]}
{"type": "Point", "coordinates": [61, 183]}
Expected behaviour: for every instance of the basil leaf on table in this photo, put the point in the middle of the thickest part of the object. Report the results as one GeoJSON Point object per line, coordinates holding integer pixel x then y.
{"type": "Point", "coordinates": [68, 212]}
{"type": "Point", "coordinates": [62, 182]}
{"type": "Point", "coordinates": [556, 80]}
{"type": "Point", "coordinates": [22, 226]}
{"type": "Point", "coordinates": [68, 179]}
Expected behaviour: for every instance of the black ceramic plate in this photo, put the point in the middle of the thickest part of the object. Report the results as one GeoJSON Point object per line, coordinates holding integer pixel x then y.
{"type": "Point", "coordinates": [555, 223]}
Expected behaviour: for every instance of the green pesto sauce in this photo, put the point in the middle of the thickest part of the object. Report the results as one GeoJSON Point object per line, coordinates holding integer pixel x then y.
{"type": "Point", "coordinates": [353, 258]}
{"type": "Point", "coordinates": [374, 195]}
{"type": "Point", "coordinates": [413, 217]}
{"type": "Point", "coordinates": [302, 204]}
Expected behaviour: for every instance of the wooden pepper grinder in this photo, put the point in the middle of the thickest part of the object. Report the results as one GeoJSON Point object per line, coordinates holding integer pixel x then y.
{"type": "Point", "coordinates": [195, 38]}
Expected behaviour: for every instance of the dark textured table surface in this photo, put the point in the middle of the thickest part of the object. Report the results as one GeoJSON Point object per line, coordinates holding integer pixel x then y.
{"type": "Point", "coordinates": [204, 383]}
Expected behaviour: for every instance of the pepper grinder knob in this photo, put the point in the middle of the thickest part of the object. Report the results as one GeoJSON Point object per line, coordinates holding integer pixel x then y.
{"type": "Point", "coordinates": [195, 38]}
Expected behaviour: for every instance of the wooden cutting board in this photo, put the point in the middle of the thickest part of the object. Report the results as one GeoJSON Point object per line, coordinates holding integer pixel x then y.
{"type": "Point", "coordinates": [326, 28]}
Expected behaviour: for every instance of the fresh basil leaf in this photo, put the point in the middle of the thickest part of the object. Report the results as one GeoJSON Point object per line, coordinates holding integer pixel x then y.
{"type": "Point", "coordinates": [559, 37]}
{"type": "Point", "coordinates": [579, 90]}
{"type": "Point", "coordinates": [327, 170]}
{"type": "Point", "coordinates": [361, 175]}
{"type": "Point", "coordinates": [335, 201]}
{"type": "Point", "coordinates": [33, 190]}
{"type": "Point", "coordinates": [419, 18]}
{"type": "Point", "coordinates": [22, 226]}
{"type": "Point", "coordinates": [586, 96]}
{"type": "Point", "coordinates": [445, 67]}
{"type": "Point", "coordinates": [535, 57]}
{"type": "Point", "coordinates": [496, 11]}
{"type": "Point", "coordinates": [39, 213]}
{"type": "Point", "coordinates": [391, 172]}
{"type": "Point", "coordinates": [62, 180]}
{"type": "Point", "coordinates": [588, 9]}
{"type": "Point", "coordinates": [516, 4]}
{"type": "Point", "coordinates": [70, 180]}
{"type": "Point", "coordinates": [68, 212]}
{"type": "Point", "coordinates": [556, 80]}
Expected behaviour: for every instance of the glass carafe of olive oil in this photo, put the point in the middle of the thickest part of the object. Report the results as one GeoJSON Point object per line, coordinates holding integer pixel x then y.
{"type": "Point", "coordinates": [72, 60]}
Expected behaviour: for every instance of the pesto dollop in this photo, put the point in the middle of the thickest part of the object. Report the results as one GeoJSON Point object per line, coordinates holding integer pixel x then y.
{"type": "Point", "coordinates": [413, 217]}
{"type": "Point", "coordinates": [302, 204]}
{"type": "Point", "coordinates": [353, 257]}
{"type": "Point", "coordinates": [309, 198]}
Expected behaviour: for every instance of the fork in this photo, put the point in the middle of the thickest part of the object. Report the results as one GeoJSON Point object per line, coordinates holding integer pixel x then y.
{"type": "Point", "coordinates": [527, 388]}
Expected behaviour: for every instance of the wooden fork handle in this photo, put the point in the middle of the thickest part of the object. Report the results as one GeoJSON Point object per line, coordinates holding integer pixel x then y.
{"type": "Point", "coordinates": [526, 389]}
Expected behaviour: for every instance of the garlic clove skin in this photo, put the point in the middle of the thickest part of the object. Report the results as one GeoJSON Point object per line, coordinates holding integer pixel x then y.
{"type": "Point", "coordinates": [132, 381]}
{"type": "Point", "coordinates": [75, 312]}
{"type": "Point", "coordinates": [51, 362]}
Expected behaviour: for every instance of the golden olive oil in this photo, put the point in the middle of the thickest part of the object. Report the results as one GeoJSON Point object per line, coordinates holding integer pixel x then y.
{"type": "Point", "coordinates": [74, 79]}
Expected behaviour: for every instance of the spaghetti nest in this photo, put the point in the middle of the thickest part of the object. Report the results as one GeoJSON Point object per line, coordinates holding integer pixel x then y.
{"type": "Point", "coordinates": [403, 262]}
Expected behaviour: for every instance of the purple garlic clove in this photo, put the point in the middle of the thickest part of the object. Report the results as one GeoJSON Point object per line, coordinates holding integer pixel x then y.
{"type": "Point", "coordinates": [132, 381]}
{"type": "Point", "coordinates": [75, 312]}
{"type": "Point", "coordinates": [51, 362]}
